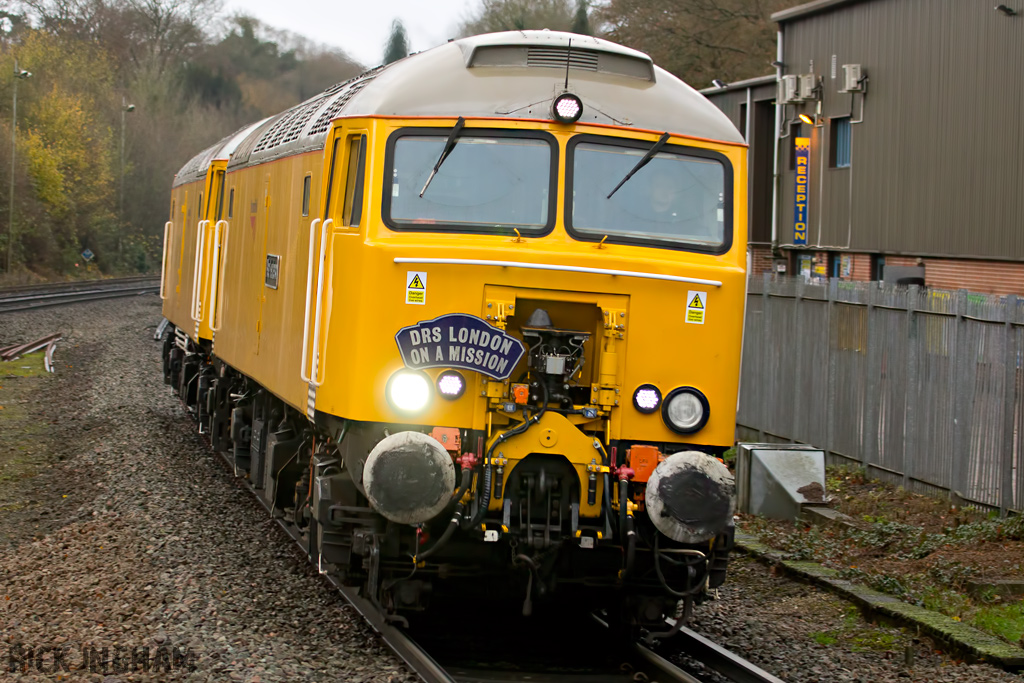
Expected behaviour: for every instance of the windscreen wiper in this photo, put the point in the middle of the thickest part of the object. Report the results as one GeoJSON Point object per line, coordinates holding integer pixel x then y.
{"type": "Point", "coordinates": [449, 145]}
{"type": "Point", "coordinates": [640, 164]}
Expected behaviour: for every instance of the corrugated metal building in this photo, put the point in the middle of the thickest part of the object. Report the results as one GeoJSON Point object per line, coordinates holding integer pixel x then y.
{"type": "Point", "coordinates": [919, 157]}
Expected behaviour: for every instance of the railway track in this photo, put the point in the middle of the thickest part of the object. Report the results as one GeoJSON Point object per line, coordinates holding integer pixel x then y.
{"type": "Point", "coordinates": [572, 653]}
{"type": "Point", "coordinates": [28, 297]}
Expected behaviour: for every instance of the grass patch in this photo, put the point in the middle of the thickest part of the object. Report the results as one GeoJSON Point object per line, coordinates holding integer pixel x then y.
{"type": "Point", "coordinates": [825, 638]}
{"type": "Point", "coordinates": [19, 431]}
{"type": "Point", "coordinates": [32, 365]}
{"type": "Point", "coordinates": [1006, 621]}
{"type": "Point", "coordinates": [861, 637]}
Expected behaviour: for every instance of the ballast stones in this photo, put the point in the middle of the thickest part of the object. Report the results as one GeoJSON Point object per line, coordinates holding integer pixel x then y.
{"type": "Point", "coordinates": [409, 478]}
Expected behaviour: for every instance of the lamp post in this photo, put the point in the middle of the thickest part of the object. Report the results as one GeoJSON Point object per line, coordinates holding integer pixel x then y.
{"type": "Point", "coordinates": [19, 74]}
{"type": "Point", "coordinates": [125, 109]}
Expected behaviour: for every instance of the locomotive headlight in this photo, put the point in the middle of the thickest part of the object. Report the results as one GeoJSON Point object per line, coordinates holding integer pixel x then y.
{"type": "Point", "coordinates": [567, 108]}
{"type": "Point", "coordinates": [408, 391]}
{"type": "Point", "coordinates": [451, 384]}
{"type": "Point", "coordinates": [647, 398]}
{"type": "Point", "coordinates": [685, 410]}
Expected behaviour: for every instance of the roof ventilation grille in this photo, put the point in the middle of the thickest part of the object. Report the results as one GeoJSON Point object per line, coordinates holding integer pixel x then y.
{"type": "Point", "coordinates": [289, 126]}
{"type": "Point", "coordinates": [323, 122]}
{"type": "Point", "coordinates": [555, 57]}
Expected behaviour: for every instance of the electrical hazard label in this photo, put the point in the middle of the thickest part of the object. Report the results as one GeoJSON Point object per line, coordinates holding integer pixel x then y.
{"type": "Point", "coordinates": [415, 288]}
{"type": "Point", "coordinates": [696, 307]}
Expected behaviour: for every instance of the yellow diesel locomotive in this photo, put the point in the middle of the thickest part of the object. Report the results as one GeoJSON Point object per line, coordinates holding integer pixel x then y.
{"type": "Point", "coordinates": [473, 320]}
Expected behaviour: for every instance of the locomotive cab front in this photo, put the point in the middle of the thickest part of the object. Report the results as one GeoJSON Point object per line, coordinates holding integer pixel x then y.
{"type": "Point", "coordinates": [516, 361]}
{"type": "Point", "coordinates": [557, 309]}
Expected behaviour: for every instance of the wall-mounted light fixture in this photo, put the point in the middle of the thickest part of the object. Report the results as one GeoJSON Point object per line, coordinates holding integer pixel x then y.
{"type": "Point", "coordinates": [1008, 11]}
{"type": "Point", "coordinates": [806, 119]}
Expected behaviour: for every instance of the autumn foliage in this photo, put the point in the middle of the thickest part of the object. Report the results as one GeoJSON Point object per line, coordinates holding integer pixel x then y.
{"type": "Point", "coordinates": [193, 77]}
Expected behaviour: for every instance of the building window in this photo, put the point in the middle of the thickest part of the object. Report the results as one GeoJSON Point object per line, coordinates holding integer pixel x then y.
{"type": "Point", "coordinates": [305, 195]}
{"type": "Point", "coordinates": [839, 149]}
{"type": "Point", "coordinates": [804, 265]}
{"type": "Point", "coordinates": [877, 267]}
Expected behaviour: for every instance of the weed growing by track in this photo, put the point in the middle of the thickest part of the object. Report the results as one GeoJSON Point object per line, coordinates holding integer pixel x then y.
{"type": "Point", "coordinates": [918, 548]}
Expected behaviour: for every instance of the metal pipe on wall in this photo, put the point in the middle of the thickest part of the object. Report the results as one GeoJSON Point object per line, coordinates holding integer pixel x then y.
{"type": "Point", "coordinates": [778, 127]}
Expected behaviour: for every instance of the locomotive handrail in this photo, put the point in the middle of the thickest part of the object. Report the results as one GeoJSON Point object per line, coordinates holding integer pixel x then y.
{"type": "Point", "coordinates": [163, 263]}
{"type": "Point", "coordinates": [217, 275]}
{"type": "Point", "coordinates": [316, 373]}
{"type": "Point", "coordinates": [555, 267]}
{"type": "Point", "coordinates": [309, 292]}
{"type": "Point", "coordinates": [196, 279]}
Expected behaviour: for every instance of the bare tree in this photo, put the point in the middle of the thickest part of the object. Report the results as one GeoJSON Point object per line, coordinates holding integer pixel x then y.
{"type": "Point", "coordinates": [697, 40]}
{"type": "Point", "coordinates": [518, 15]}
{"type": "Point", "coordinates": [140, 33]}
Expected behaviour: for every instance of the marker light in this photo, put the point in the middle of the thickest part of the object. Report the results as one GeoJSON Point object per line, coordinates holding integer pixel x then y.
{"type": "Point", "coordinates": [646, 398]}
{"type": "Point", "coordinates": [408, 391]}
{"type": "Point", "coordinates": [451, 384]}
{"type": "Point", "coordinates": [567, 108]}
{"type": "Point", "coordinates": [685, 410]}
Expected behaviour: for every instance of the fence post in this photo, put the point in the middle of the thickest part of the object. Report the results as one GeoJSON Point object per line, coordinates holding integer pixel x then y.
{"type": "Point", "coordinates": [766, 373]}
{"type": "Point", "coordinates": [911, 393]}
{"type": "Point", "coordinates": [797, 400]}
{"type": "Point", "coordinates": [964, 398]}
{"type": "Point", "coordinates": [1009, 405]}
{"type": "Point", "coordinates": [831, 351]}
{"type": "Point", "coordinates": [871, 398]}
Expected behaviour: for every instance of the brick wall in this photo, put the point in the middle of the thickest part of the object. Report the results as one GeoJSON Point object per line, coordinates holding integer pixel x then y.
{"type": "Point", "coordinates": [760, 260]}
{"type": "Point", "coordinates": [861, 269]}
{"type": "Point", "coordinates": [986, 277]}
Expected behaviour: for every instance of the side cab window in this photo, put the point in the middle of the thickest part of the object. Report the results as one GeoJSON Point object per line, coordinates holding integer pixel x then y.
{"type": "Point", "coordinates": [345, 187]}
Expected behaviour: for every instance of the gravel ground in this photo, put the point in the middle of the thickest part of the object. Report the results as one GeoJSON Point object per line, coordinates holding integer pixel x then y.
{"type": "Point", "coordinates": [804, 635]}
{"type": "Point", "coordinates": [131, 535]}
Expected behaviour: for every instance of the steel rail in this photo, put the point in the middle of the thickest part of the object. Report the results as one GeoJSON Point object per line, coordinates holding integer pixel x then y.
{"type": "Point", "coordinates": [716, 657]}
{"type": "Point", "coordinates": [415, 657]}
{"type": "Point", "coordinates": [662, 666]}
{"type": "Point", "coordinates": [42, 298]}
{"type": "Point", "coordinates": [74, 285]}
{"type": "Point", "coordinates": [20, 301]}
{"type": "Point", "coordinates": [15, 351]}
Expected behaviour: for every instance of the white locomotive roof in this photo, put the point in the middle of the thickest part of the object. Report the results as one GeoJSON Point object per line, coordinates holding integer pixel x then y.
{"type": "Point", "coordinates": [196, 167]}
{"type": "Point", "coordinates": [515, 74]}
{"type": "Point", "coordinates": [233, 141]}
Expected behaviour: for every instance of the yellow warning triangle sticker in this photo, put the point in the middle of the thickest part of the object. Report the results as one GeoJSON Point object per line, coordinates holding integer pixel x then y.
{"type": "Point", "coordinates": [696, 302]}
{"type": "Point", "coordinates": [416, 283]}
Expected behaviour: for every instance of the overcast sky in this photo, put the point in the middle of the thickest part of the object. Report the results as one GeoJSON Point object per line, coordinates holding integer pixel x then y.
{"type": "Point", "coordinates": [361, 27]}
